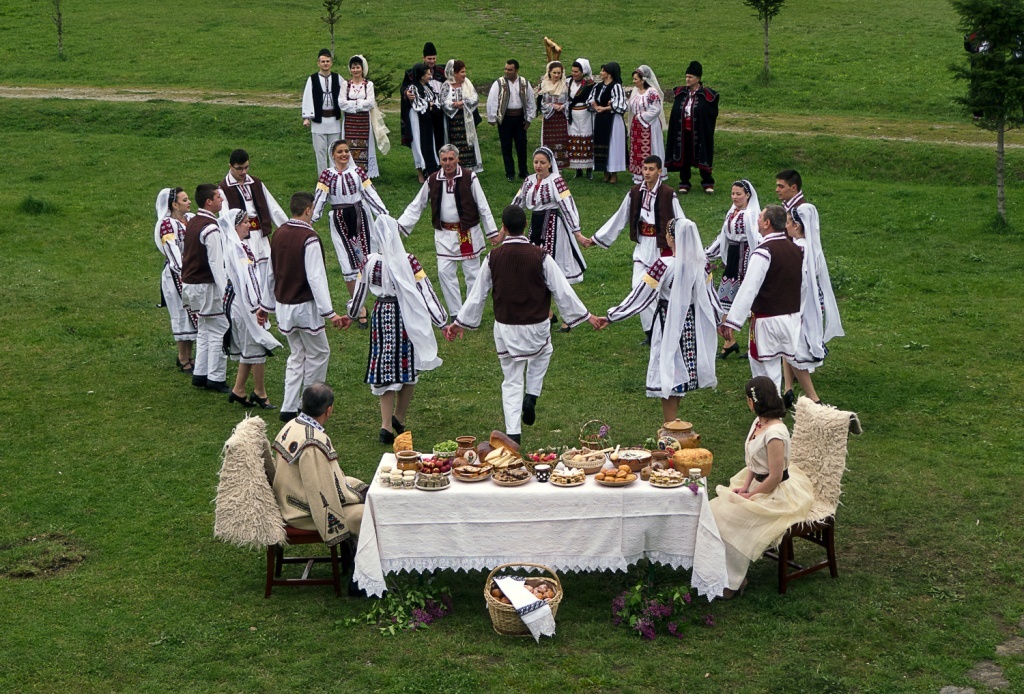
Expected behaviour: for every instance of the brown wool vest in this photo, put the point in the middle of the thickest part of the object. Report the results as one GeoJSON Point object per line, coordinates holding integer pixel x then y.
{"type": "Point", "coordinates": [233, 195]}
{"type": "Point", "coordinates": [288, 256]}
{"type": "Point", "coordinates": [663, 212]}
{"type": "Point", "coordinates": [517, 275]}
{"type": "Point", "coordinates": [195, 263]}
{"type": "Point", "coordinates": [780, 291]}
{"type": "Point", "coordinates": [469, 215]}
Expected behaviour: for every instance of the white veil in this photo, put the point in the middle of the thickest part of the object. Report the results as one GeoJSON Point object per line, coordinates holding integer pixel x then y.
{"type": "Point", "coordinates": [649, 77]}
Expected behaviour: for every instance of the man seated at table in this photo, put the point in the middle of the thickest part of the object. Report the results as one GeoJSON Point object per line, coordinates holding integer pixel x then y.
{"type": "Point", "coordinates": [312, 491]}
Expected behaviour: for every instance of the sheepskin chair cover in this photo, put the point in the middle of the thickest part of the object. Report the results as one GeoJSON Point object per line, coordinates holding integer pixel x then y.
{"type": "Point", "coordinates": [819, 449]}
{"type": "Point", "coordinates": [246, 513]}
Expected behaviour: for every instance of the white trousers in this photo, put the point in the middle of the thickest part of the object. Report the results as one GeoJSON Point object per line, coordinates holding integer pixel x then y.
{"type": "Point", "coordinates": [211, 360]}
{"type": "Point", "coordinates": [447, 275]}
{"type": "Point", "coordinates": [306, 365]}
{"type": "Point", "coordinates": [533, 369]}
{"type": "Point", "coordinates": [771, 368]}
{"type": "Point", "coordinates": [321, 143]}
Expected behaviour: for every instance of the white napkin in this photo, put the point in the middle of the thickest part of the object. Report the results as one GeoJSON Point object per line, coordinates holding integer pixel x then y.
{"type": "Point", "coordinates": [536, 614]}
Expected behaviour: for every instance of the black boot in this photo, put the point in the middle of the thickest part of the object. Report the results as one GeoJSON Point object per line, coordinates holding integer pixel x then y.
{"type": "Point", "coordinates": [287, 416]}
{"type": "Point", "coordinates": [647, 338]}
{"type": "Point", "coordinates": [529, 410]}
{"type": "Point", "coordinates": [217, 386]}
{"type": "Point", "coordinates": [788, 399]}
{"type": "Point", "coordinates": [515, 437]}
{"type": "Point", "coordinates": [396, 425]}
{"type": "Point", "coordinates": [199, 381]}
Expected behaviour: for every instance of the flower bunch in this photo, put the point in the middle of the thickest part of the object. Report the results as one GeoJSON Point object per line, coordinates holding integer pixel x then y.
{"type": "Point", "coordinates": [407, 608]}
{"type": "Point", "coordinates": [642, 610]}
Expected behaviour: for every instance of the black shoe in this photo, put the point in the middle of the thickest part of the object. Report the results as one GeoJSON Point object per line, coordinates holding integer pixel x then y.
{"type": "Point", "coordinates": [287, 416]}
{"type": "Point", "coordinates": [386, 436]}
{"type": "Point", "coordinates": [396, 425]}
{"type": "Point", "coordinates": [735, 349]}
{"type": "Point", "coordinates": [510, 179]}
{"type": "Point", "coordinates": [199, 381]}
{"type": "Point", "coordinates": [262, 403]}
{"type": "Point", "coordinates": [565, 329]}
{"type": "Point", "coordinates": [647, 338]}
{"type": "Point", "coordinates": [788, 399]}
{"type": "Point", "coordinates": [217, 386]}
{"type": "Point", "coordinates": [515, 437]}
{"type": "Point", "coordinates": [529, 410]}
{"type": "Point", "coordinates": [243, 401]}
{"type": "Point", "coordinates": [554, 319]}
{"type": "Point", "coordinates": [363, 323]}
{"type": "Point", "coordinates": [579, 173]}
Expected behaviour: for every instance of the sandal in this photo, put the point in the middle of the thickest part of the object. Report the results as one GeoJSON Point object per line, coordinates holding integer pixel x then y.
{"type": "Point", "coordinates": [565, 328]}
{"type": "Point", "coordinates": [262, 403]}
{"type": "Point", "coordinates": [186, 367]}
{"type": "Point", "coordinates": [363, 323]}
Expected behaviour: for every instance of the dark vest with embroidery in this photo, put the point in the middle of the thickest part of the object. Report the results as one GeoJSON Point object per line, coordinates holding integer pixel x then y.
{"type": "Point", "coordinates": [233, 195]}
{"type": "Point", "coordinates": [780, 291]}
{"type": "Point", "coordinates": [663, 212]}
{"type": "Point", "coordinates": [195, 263]}
{"type": "Point", "coordinates": [517, 275]}
{"type": "Point", "coordinates": [318, 96]}
{"type": "Point", "coordinates": [288, 256]}
{"type": "Point", "coordinates": [465, 203]}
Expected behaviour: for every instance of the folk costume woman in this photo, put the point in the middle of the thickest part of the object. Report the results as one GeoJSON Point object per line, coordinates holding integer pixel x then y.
{"type": "Point", "coordinates": [581, 119]}
{"type": "Point", "coordinates": [768, 495]}
{"type": "Point", "coordinates": [246, 341]}
{"type": "Point", "coordinates": [354, 202]}
{"type": "Point", "coordinates": [172, 213]}
{"type": "Point", "coordinates": [459, 100]}
{"type": "Point", "coordinates": [646, 108]}
{"type": "Point", "coordinates": [738, 237]}
{"type": "Point", "coordinates": [683, 337]}
{"type": "Point", "coordinates": [402, 342]}
{"type": "Point", "coordinates": [553, 102]}
{"type": "Point", "coordinates": [421, 122]}
{"type": "Point", "coordinates": [608, 101]}
{"type": "Point", "coordinates": [818, 307]}
{"type": "Point", "coordinates": [363, 125]}
{"type": "Point", "coordinates": [554, 221]}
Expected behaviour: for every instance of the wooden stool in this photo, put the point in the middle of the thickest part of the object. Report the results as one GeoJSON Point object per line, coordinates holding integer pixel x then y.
{"type": "Point", "coordinates": [276, 559]}
{"type": "Point", "coordinates": [821, 533]}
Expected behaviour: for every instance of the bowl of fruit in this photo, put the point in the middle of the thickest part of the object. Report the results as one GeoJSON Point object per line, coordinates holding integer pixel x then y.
{"type": "Point", "coordinates": [546, 456]}
{"type": "Point", "coordinates": [432, 465]}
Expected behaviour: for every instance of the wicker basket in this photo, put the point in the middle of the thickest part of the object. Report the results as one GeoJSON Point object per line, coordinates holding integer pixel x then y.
{"type": "Point", "coordinates": [590, 467]}
{"type": "Point", "coordinates": [504, 617]}
{"type": "Point", "coordinates": [590, 435]}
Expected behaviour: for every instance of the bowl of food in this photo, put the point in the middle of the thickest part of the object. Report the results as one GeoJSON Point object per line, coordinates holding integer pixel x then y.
{"type": "Point", "coordinates": [635, 458]}
{"type": "Point", "coordinates": [407, 460]}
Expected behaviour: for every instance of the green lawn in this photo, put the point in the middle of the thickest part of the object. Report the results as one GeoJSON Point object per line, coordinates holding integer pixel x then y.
{"type": "Point", "coordinates": [836, 56]}
{"type": "Point", "coordinates": [105, 442]}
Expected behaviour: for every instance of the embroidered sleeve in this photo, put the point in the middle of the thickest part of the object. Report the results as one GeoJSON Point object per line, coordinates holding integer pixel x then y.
{"type": "Point", "coordinates": [417, 269]}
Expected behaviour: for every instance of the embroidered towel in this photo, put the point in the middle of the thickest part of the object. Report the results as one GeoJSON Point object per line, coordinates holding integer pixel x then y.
{"type": "Point", "coordinates": [536, 614]}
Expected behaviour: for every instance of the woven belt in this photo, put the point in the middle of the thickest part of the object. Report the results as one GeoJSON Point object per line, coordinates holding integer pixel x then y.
{"type": "Point", "coordinates": [387, 299]}
{"type": "Point", "coordinates": [513, 112]}
{"type": "Point", "coordinates": [648, 229]}
{"type": "Point", "coordinates": [762, 478]}
{"type": "Point", "coordinates": [344, 206]}
{"type": "Point", "coordinates": [451, 226]}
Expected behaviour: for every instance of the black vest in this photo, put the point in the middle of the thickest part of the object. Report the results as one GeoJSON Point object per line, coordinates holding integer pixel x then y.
{"type": "Point", "coordinates": [318, 96]}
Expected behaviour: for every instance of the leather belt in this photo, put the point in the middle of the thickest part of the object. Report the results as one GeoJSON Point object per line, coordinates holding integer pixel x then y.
{"type": "Point", "coordinates": [451, 226]}
{"type": "Point", "coordinates": [513, 112]}
{"type": "Point", "coordinates": [343, 206]}
{"type": "Point", "coordinates": [762, 478]}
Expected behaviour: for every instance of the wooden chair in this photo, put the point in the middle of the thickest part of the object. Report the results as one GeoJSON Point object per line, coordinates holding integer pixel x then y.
{"type": "Point", "coordinates": [820, 434]}
{"type": "Point", "coordinates": [276, 560]}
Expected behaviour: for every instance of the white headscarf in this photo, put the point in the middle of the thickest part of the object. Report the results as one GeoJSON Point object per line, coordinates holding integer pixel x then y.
{"type": "Point", "coordinates": [833, 326]}
{"type": "Point", "coordinates": [380, 130]}
{"type": "Point", "coordinates": [163, 210]}
{"type": "Point", "coordinates": [585, 64]}
{"type": "Point", "coordinates": [689, 287]}
{"type": "Point", "coordinates": [415, 316]}
{"type": "Point", "coordinates": [750, 215]}
{"type": "Point", "coordinates": [547, 86]}
{"type": "Point", "coordinates": [240, 271]}
{"type": "Point", "coordinates": [551, 158]}
{"type": "Point", "coordinates": [648, 76]}
{"type": "Point", "coordinates": [468, 94]}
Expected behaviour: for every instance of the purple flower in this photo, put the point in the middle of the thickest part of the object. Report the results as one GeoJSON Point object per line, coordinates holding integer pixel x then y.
{"type": "Point", "coordinates": [656, 610]}
{"type": "Point", "coordinates": [447, 600]}
{"type": "Point", "coordinates": [646, 628]}
{"type": "Point", "coordinates": [421, 616]}
{"type": "Point", "coordinates": [687, 599]}
{"type": "Point", "coordinates": [616, 620]}
{"type": "Point", "coordinates": [619, 603]}
{"type": "Point", "coordinates": [694, 487]}
{"type": "Point", "coordinates": [675, 630]}
{"type": "Point", "coordinates": [709, 620]}
{"type": "Point", "coordinates": [603, 431]}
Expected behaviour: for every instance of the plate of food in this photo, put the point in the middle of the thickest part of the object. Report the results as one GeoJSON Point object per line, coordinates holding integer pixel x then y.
{"type": "Point", "coordinates": [432, 482]}
{"type": "Point", "coordinates": [568, 477]}
{"type": "Point", "coordinates": [472, 473]}
{"type": "Point", "coordinates": [436, 466]}
{"type": "Point", "coordinates": [621, 476]}
{"type": "Point", "coordinates": [667, 478]}
{"type": "Point", "coordinates": [513, 477]}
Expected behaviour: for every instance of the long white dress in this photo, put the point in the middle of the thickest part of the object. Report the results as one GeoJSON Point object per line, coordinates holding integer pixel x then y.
{"type": "Point", "coordinates": [461, 130]}
{"type": "Point", "coordinates": [554, 223]}
{"type": "Point", "coordinates": [354, 202]}
{"type": "Point", "coordinates": [646, 136]}
{"type": "Point", "coordinates": [356, 101]}
{"type": "Point", "coordinates": [169, 236]}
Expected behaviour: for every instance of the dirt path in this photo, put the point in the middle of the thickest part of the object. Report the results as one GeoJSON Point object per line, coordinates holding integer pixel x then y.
{"type": "Point", "coordinates": [867, 128]}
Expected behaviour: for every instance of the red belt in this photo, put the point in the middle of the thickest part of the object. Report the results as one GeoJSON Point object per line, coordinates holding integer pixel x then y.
{"type": "Point", "coordinates": [254, 224]}
{"type": "Point", "coordinates": [648, 229]}
{"type": "Point", "coordinates": [465, 242]}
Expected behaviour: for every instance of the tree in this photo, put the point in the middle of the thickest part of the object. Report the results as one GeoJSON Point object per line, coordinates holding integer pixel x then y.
{"type": "Point", "coordinates": [58, 21]}
{"type": "Point", "coordinates": [766, 11]}
{"type": "Point", "coordinates": [994, 38]}
{"type": "Point", "coordinates": [331, 16]}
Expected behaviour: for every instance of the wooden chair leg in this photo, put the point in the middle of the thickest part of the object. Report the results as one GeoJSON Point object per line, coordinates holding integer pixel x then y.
{"type": "Point", "coordinates": [785, 556]}
{"type": "Point", "coordinates": [335, 571]}
{"type": "Point", "coordinates": [830, 547]}
{"type": "Point", "coordinates": [271, 555]}
{"type": "Point", "coordinates": [279, 553]}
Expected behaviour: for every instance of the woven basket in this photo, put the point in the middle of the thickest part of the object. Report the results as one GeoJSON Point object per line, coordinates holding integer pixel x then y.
{"type": "Point", "coordinates": [590, 435]}
{"type": "Point", "coordinates": [590, 467]}
{"type": "Point", "coordinates": [504, 617]}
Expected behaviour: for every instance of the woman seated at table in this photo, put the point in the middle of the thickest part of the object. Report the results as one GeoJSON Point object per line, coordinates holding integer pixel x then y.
{"type": "Point", "coordinates": [768, 495]}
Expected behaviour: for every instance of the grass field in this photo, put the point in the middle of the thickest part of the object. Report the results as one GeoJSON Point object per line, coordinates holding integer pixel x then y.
{"type": "Point", "coordinates": [865, 57]}
{"type": "Point", "coordinates": [108, 450]}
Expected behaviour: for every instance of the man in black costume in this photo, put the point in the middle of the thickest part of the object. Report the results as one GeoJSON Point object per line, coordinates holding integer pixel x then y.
{"type": "Point", "coordinates": [691, 130]}
{"type": "Point", "coordinates": [436, 81]}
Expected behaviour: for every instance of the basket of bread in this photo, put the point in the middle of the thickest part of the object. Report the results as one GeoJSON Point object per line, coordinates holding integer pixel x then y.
{"type": "Point", "coordinates": [590, 461]}
{"type": "Point", "coordinates": [503, 615]}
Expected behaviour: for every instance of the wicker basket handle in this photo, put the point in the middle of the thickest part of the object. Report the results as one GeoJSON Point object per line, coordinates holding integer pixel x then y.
{"type": "Point", "coordinates": [536, 566]}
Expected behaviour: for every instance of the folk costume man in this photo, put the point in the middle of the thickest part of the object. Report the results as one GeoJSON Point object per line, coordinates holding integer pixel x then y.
{"type": "Point", "coordinates": [691, 130]}
{"type": "Point", "coordinates": [647, 210]}
{"type": "Point", "coordinates": [297, 292]}
{"type": "Point", "coordinates": [203, 284]}
{"type": "Point", "coordinates": [320, 110]}
{"type": "Point", "coordinates": [312, 491]}
{"type": "Point", "coordinates": [244, 192]}
{"type": "Point", "coordinates": [523, 280]}
{"type": "Point", "coordinates": [458, 210]}
{"type": "Point", "coordinates": [511, 106]}
{"type": "Point", "coordinates": [820, 320]}
{"type": "Point", "coordinates": [437, 80]}
{"type": "Point", "coordinates": [770, 295]}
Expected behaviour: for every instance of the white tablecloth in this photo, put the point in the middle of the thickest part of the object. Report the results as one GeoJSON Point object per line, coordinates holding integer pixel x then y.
{"type": "Point", "coordinates": [586, 528]}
